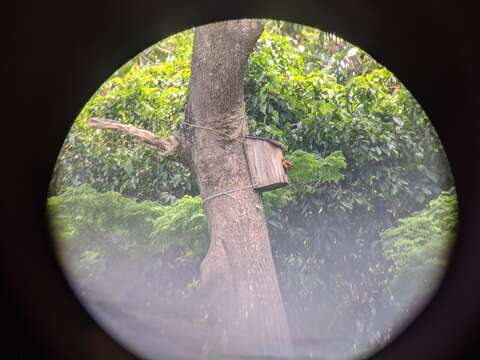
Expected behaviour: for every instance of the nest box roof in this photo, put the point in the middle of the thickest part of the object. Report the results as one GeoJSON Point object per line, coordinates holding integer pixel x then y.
{"type": "Point", "coordinates": [274, 142]}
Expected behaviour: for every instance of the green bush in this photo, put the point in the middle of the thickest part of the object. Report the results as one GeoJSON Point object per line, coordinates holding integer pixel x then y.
{"type": "Point", "coordinates": [93, 227]}
{"type": "Point", "coordinates": [418, 246]}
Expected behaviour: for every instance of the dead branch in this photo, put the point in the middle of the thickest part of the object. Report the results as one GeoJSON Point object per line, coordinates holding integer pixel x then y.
{"type": "Point", "coordinates": [166, 146]}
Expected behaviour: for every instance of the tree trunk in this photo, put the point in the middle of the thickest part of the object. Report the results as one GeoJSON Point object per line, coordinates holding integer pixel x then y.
{"type": "Point", "coordinates": [238, 274]}
{"type": "Point", "coordinates": [238, 271]}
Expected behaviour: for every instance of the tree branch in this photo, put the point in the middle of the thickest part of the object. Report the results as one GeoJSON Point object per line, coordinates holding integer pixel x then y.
{"type": "Point", "coordinates": [166, 146]}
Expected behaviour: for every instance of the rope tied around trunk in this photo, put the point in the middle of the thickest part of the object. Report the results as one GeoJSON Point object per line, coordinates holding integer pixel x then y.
{"type": "Point", "coordinates": [230, 137]}
{"type": "Point", "coordinates": [227, 192]}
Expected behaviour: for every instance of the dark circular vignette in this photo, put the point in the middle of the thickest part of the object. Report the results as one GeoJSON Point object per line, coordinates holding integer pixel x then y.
{"type": "Point", "coordinates": [63, 51]}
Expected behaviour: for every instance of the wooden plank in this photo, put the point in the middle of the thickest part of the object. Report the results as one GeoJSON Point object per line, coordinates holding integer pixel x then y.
{"type": "Point", "coordinates": [265, 164]}
{"type": "Point", "coordinates": [274, 142]}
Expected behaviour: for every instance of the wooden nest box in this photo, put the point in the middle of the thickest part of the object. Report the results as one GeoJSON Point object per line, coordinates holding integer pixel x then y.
{"type": "Point", "coordinates": [264, 157]}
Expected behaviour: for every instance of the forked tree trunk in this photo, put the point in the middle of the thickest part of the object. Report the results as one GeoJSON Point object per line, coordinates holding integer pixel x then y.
{"type": "Point", "coordinates": [238, 274]}
{"type": "Point", "coordinates": [238, 270]}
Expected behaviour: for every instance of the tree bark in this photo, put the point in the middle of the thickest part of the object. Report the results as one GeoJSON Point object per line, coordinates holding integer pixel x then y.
{"type": "Point", "coordinates": [238, 274]}
{"type": "Point", "coordinates": [238, 270]}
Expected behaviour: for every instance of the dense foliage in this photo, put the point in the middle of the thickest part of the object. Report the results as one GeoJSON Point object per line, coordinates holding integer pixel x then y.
{"type": "Point", "coordinates": [365, 156]}
{"type": "Point", "coordinates": [417, 248]}
{"type": "Point", "coordinates": [151, 97]}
